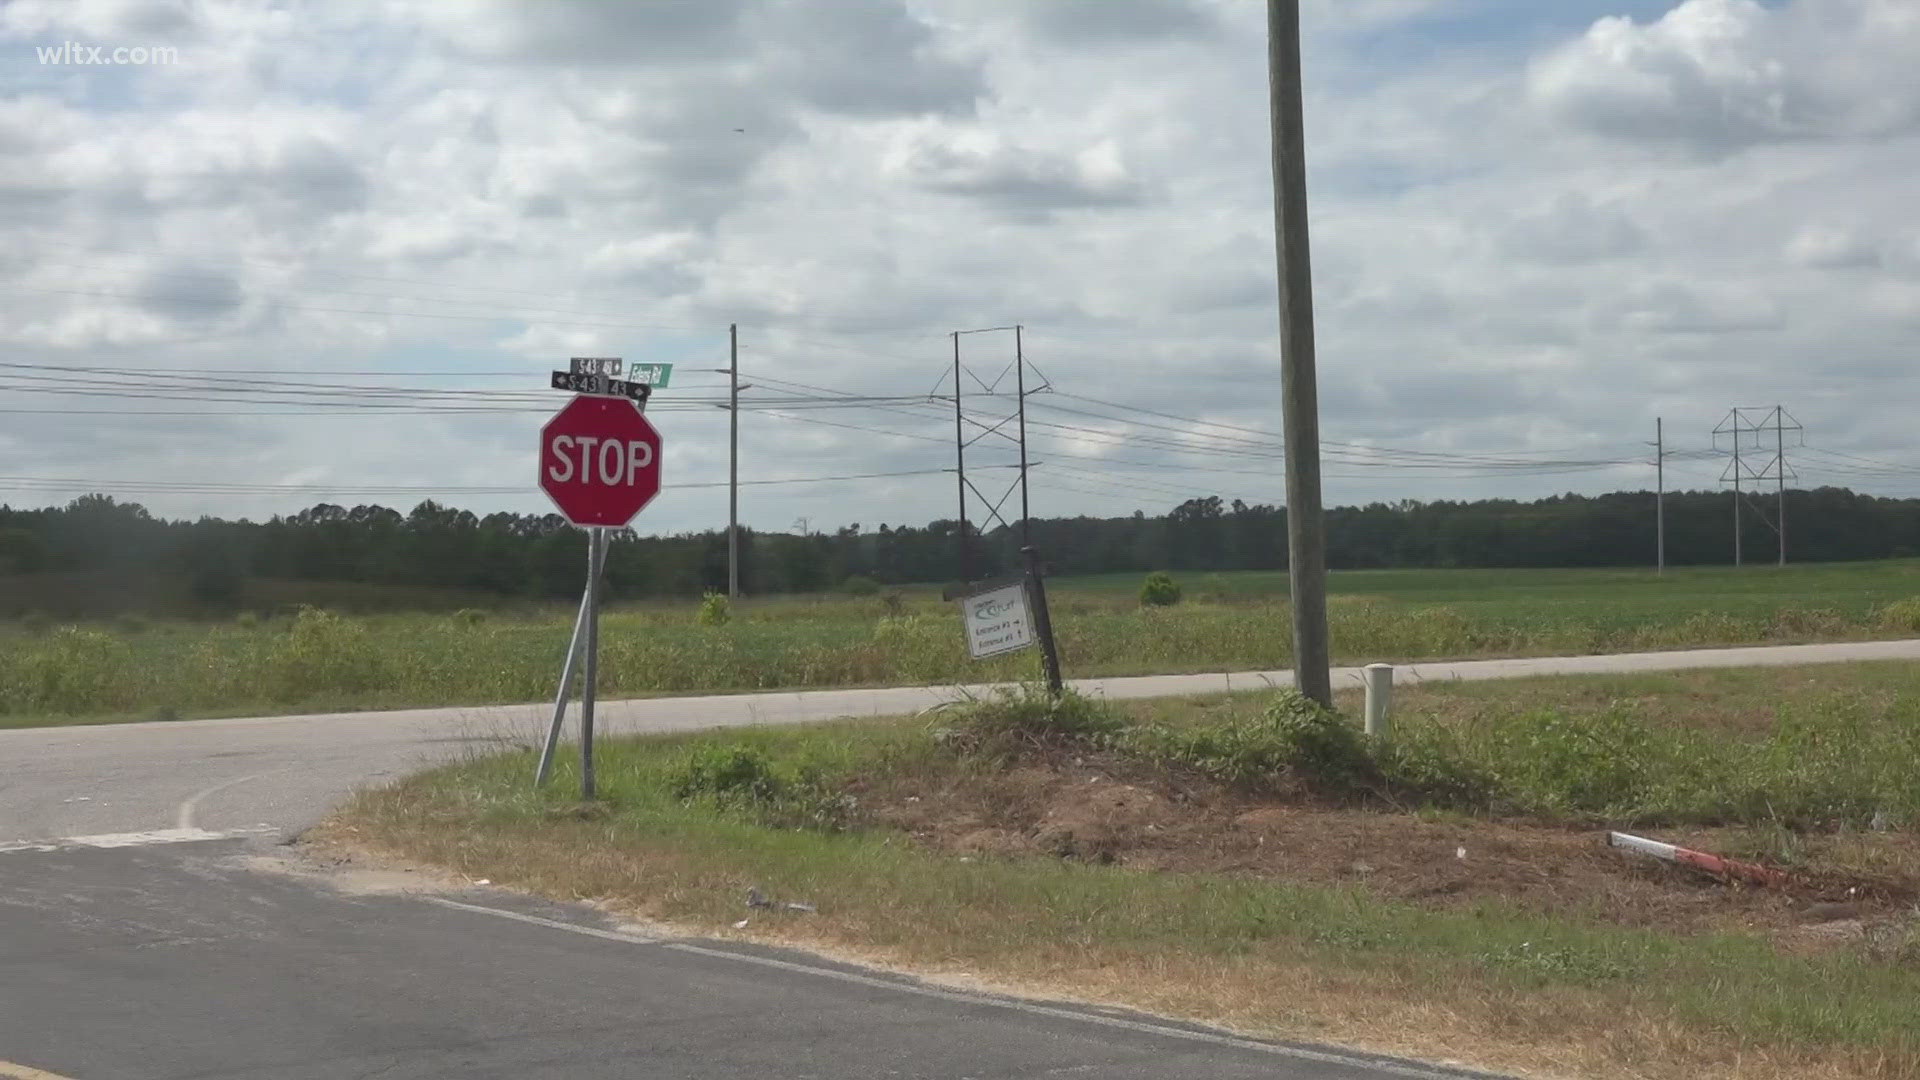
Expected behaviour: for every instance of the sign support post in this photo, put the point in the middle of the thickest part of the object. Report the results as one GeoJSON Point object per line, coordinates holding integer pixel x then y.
{"type": "Point", "coordinates": [1042, 620]}
{"type": "Point", "coordinates": [590, 682]}
{"type": "Point", "coordinates": [566, 686]}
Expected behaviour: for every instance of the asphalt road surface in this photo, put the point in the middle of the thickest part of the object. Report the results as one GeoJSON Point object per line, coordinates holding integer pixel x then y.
{"type": "Point", "coordinates": [149, 927]}
{"type": "Point", "coordinates": [190, 960]}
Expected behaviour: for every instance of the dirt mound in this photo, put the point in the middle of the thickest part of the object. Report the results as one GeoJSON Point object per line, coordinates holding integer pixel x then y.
{"type": "Point", "coordinates": [1102, 811]}
{"type": "Point", "coordinates": [1098, 821]}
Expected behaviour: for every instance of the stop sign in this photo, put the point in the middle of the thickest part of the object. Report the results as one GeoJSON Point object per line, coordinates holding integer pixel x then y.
{"type": "Point", "coordinates": [600, 460]}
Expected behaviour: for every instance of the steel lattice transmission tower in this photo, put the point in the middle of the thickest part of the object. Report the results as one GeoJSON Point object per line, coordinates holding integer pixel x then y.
{"type": "Point", "coordinates": [963, 423]}
{"type": "Point", "coordinates": [1759, 447]}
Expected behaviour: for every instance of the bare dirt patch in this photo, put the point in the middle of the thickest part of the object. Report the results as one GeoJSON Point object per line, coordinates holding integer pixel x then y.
{"type": "Point", "coordinates": [1099, 810]}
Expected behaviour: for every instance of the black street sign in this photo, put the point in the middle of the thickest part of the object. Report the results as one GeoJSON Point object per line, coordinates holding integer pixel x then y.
{"type": "Point", "coordinates": [587, 383]}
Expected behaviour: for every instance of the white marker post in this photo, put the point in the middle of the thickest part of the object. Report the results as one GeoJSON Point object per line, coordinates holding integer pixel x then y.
{"type": "Point", "coordinates": [1379, 680]}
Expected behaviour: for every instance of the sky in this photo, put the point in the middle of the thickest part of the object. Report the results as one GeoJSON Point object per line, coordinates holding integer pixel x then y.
{"type": "Point", "coordinates": [330, 251]}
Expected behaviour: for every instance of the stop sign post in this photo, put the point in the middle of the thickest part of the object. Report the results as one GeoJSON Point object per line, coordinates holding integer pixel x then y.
{"type": "Point", "coordinates": [600, 464]}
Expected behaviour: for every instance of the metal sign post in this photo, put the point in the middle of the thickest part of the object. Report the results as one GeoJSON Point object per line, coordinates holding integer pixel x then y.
{"type": "Point", "coordinates": [590, 682]}
{"type": "Point", "coordinates": [566, 683]}
{"type": "Point", "coordinates": [600, 463]}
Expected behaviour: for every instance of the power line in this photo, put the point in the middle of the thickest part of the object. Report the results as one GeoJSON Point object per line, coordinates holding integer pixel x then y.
{"type": "Point", "coordinates": [32, 483]}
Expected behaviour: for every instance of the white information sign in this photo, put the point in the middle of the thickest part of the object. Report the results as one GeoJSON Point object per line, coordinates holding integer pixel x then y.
{"type": "Point", "coordinates": [997, 621]}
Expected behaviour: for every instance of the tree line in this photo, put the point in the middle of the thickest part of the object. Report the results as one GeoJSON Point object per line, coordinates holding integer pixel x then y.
{"type": "Point", "coordinates": [541, 556]}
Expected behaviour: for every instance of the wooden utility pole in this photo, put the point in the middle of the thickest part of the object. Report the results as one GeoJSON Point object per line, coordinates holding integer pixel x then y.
{"type": "Point", "coordinates": [1306, 530]}
{"type": "Point", "coordinates": [733, 461]}
{"type": "Point", "coordinates": [1660, 495]}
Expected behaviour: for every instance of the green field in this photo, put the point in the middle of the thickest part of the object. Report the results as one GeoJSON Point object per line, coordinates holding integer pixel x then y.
{"type": "Point", "coordinates": [277, 662]}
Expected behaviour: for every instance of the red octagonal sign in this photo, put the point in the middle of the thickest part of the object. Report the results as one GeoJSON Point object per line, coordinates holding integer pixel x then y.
{"type": "Point", "coordinates": [600, 460]}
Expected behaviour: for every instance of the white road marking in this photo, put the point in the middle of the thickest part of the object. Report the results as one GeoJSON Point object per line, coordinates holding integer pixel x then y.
{"type": "Point", "coordinates": [1385, 1066]}
{"type": "Point", "coordinates": [125, 839]}
{"type": "Point", "coordinates": [552, 924]}
{"type": "Point", "coordinates": [183, 819]}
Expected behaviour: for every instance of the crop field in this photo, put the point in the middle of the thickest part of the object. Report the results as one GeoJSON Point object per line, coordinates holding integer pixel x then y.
{"type": "Point", "coordinates": [319, 659]}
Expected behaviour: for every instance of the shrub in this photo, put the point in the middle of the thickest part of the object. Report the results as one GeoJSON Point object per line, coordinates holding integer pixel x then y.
{"type": "Point", "coordinates": [247, 620]}
{"type": "Point", "coordinates": [715, 609]}
{"type": "Point", "coordinates": [895, 603]}
{"type": "Point", "coordinates": [1159, 590]}
{"type": "Point", "coordinates": [860, 585]}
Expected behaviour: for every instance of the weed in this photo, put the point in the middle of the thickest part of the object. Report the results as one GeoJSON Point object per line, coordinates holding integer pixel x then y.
{"type": "Point", "coordinates": [860, 585]}
{"type": "Point", "coordinates": [1555, 964]}
{"type": "Point", "coordinates": [1015, 721]}
{"type": "Point", "coordinates": [1159, 590]}
{"type": "Point", "coordinates": [131, 622]}
{"type": "Point", "coordinates": [744, 779]}
{"type": "Point", "coordinates": [733, 771]}
{"type": "Point", "coordinates": [247, 620]}
{"type": "Point", "coordinates": [715, 609]}
{"type": "Point", "coordinates": [1293, 738]}
{"type": "Point", "coordinates": [469, 617]}
{"type": "Point", "coordinates": [1575, 763]}
{"type": "Point", "coordinates": [323, 651]}
{"type": "Point", "coordinates": [69, 671]}
{"type": "Point", "coordinates": [35, 622]}
{"type": "Point", "coordinates": [1902, 616]}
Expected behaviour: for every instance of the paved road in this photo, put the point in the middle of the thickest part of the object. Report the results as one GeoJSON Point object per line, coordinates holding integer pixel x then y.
{"type": "Point", "coordinates": [144, 935]}
{"type": "Point", "coordinates": [189, 961]}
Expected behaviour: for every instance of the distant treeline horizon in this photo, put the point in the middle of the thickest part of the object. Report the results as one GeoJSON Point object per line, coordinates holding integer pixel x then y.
{"type": "Point", "coordinates": [541, 556]}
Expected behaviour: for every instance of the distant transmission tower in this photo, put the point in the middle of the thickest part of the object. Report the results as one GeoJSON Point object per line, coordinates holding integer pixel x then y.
{"type": "Point", "coordinates": [1747, 430]}
{"type": "Point", "coordinates": [969, 429]}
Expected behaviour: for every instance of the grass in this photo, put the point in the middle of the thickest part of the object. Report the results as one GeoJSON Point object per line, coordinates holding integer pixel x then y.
{"type": "Point", "coordinates": [138, 667]}
{"type": "Point", "coordinates": [688, 823]}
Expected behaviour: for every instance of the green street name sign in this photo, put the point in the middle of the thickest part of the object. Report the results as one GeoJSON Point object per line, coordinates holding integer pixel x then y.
{"type": "Point", "coordinates": [654, 375]}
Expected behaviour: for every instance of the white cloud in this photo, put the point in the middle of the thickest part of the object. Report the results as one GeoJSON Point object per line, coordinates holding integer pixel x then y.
{"type": "Point", "coordinates": [1830, 246]}
{"type": "Point", "coordinates": [1518, 246]}
{"type": "Point", "coordinates": [1716, 75]}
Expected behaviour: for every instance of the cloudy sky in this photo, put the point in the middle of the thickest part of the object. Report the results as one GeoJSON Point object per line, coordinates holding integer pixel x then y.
{"type": "Point", "coordinates": [329, 251]}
